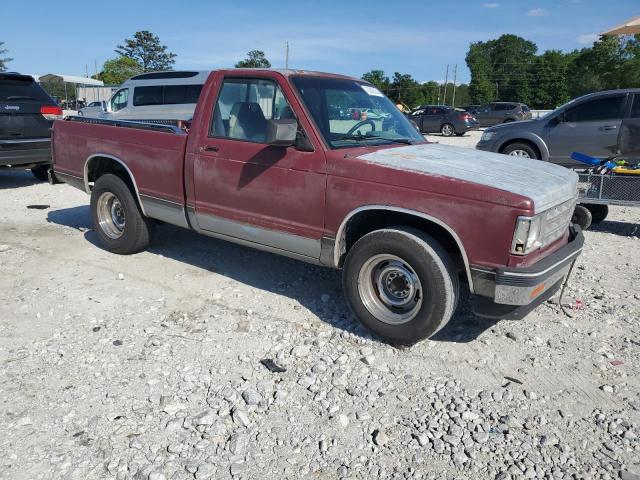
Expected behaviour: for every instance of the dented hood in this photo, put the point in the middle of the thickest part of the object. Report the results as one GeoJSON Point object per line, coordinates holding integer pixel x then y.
{"type": "Point", "coordinates": [544, 183]}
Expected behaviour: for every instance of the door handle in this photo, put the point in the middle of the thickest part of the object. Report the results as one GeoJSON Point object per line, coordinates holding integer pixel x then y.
{"type": "Point", "coordinates": [209, 148]}
{"type": "Point", "coordinates": [608, 127]}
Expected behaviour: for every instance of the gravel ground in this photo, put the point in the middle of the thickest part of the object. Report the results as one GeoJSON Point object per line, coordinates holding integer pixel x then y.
{"type": "Point", "coordinates": [149, 366]}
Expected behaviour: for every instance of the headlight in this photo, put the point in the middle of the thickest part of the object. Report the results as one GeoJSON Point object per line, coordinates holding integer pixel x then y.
{"type": "Point", "coordinates": [526, 237]}
{"type": "Point", "coordinates": [486, 136]}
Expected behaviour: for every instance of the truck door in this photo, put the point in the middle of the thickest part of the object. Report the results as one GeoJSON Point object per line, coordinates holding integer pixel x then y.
{"type": "Point", "coordinates": [245, 189]}
{"type": "Point", "coordinates": [591, 127]}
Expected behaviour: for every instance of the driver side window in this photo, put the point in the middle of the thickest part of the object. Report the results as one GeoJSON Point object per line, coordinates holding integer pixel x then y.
{"type": "Point", "coordinates": [119, 100]}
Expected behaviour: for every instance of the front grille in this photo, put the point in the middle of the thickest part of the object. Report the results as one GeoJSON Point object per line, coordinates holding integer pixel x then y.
{"type": "Point", "coordinates": [555, 222]}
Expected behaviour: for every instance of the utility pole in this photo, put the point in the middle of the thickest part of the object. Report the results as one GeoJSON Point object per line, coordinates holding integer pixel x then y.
{"type": "Point", "coordinates": [455, 73]}
{"type": "Point", "coordinates": [446, 80]}
{"type": "Point", "coordinates": [438, 102]}
{"type": "Point", "coordinates": [86, 70]}
{"type": "Point", "coordinates": [95, 66]}
{"type": "Point", "coordinates": [286, 62]}
{"type": "Point", "coordinates": [496, 91]}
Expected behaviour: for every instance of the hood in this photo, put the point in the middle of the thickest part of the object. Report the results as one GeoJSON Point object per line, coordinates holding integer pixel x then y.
{"type": "Point", "coordinates": [542, 182]}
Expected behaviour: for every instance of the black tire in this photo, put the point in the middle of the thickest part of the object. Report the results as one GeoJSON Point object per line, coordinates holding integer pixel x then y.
{"type": "Point", "coordinates": [447, 130]}
{"type": "Point", "coordinates": [513, 148]}
{"type": "Point", "coordinates": [460, 134]}
{"type": "Point", "coordinates": [582, 217]}
{"type": "Point", "coordinates": [135, 229]}
{"type": "Point", "coordinates": [41, 172]}
{"type": "Point", "coordinates": [598, 212]}
{"type": "Point", "coordinates": [421, 255]}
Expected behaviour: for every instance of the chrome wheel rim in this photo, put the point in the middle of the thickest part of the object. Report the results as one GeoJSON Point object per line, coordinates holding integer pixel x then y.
{"type": "Point", "coordinates": [111, 217]}
{"type": "Point", "coordinates": [447, 130]}
{"type": "Point", "coordinates": [390, 289]}
{"type": "Point", "coordinates": [519, 153]}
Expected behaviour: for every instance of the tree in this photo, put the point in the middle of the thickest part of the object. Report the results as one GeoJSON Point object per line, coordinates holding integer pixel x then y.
{"type": "Point", "coordinates": [481, 88]}
{"type": "Point", "coordinates": [377, 78]}
{"type": "Point", "coordinates": [117, 70]}
{"type": "Point", "coordinates": [3, 61]}
{"type": "Point", "coordinates": [551, 87]}
{"type": "Point", "coordinates": [145, 48]}
{"type": "Point", "coordinates": [255, 59]}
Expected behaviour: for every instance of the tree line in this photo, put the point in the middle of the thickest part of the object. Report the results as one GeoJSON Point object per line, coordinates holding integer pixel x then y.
{"type": "Point", "coordinates": [509, 68]}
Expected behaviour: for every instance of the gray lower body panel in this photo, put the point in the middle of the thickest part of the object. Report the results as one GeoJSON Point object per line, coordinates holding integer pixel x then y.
{"type": "Point", "coordinates": [164, 210]}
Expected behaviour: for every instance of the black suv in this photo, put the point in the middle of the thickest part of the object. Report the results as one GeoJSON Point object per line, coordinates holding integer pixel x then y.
{"type": "Point", "coordinates": [26, 115]}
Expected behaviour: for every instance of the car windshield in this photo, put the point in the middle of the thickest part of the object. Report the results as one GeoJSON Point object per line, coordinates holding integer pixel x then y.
{"type": "Point", "coordinates": [350, 113]}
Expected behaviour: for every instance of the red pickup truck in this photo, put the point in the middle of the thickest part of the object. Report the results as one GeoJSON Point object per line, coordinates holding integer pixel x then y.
{"type": "Point", "coordinates": [271, 160]}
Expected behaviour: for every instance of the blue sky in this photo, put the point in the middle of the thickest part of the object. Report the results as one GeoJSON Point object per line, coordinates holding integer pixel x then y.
{"type": "Point", "coordinates": [350, 37]}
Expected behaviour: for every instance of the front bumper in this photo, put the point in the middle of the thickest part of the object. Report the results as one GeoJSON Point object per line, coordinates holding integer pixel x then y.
{"type": "Point", "coordinates": [507, 288]}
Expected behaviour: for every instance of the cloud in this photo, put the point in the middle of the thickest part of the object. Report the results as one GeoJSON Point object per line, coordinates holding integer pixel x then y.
{"type": "Point", "coordinates": [588, 38]}
{"type": "Point", "coordinates": [490, 5]}
{"type": "Point", "coordinates": [537, 12]}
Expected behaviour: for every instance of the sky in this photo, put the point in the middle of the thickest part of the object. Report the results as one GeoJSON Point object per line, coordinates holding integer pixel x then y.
{"type": "Point", "coordinates": [349, 37]}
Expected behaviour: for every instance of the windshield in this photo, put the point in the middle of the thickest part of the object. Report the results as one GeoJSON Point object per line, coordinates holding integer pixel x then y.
{"type": "Point", "coordinates": [350, 113]}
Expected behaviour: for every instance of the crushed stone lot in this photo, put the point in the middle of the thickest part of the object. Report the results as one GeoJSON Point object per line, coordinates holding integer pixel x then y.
{"type": "Point", "coordinates": [149, 366]}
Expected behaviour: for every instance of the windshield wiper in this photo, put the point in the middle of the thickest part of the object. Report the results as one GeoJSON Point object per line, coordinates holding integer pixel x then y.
{"type": "Point", "coordinates": [359, 138]}
{"type": "Point", "coordinates": [19, 97]}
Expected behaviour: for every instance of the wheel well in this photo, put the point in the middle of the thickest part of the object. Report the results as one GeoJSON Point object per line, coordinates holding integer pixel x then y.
{"type": "Point", "coordinates": [522, 140]}
{"type": "Point", "coordinates": [371, 220]}
{"type": "Point", "coordinates": [98, 166]}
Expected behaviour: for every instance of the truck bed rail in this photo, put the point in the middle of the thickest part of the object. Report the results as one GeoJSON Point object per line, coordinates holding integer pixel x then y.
{"type": "Point", "coordinates": [166, 126]}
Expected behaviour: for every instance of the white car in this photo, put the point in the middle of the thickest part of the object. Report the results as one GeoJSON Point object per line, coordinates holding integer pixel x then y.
{"type": "Point", "coordinates": [92, 110]}
{"type": "Point", "coordinates": [156, 96]}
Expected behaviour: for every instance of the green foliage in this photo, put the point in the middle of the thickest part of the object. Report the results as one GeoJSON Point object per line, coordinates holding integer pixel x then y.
{"type": "Point", "coordinates": [145, 48]}
{"type": "Point", "coordinates": [403, 88]}
{"type": "Point", "coordinates": [255, 59]}
{"type": "Point", "coordinates": [3, 61]}
{"type": "Point", "coordinates": [117, 70]}
{"type": "Point", "coordinates": [508, 69]}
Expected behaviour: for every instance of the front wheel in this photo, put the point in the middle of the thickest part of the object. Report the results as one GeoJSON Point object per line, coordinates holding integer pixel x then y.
{"type": "Point", "coordinates": [447, 130]}
{"type": "Point", "coordinates": [401, 284]}
{"type": "Point", "coordinates": [117, 218]}
{"type": "Point", "coordinates": [520, 150]}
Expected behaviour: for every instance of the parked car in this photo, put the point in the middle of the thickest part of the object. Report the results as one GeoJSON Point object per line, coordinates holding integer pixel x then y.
{"type": "Point", "coordinates": [262, 165]}
{"type": "Point", "coordinates": [26, 115]}
{"type": "Point", "coordinates": [443, 119]}
{"type": "Point", "coordinates": [94, 109]}
{"type": "Point", "coordinates": [471, 108]}
{"type": "Point", "coordinates": [495, 113]}
{"type": "Point", "coordinates": [156, 96]}
{"type": "Point", "coordinates": [591, 124]}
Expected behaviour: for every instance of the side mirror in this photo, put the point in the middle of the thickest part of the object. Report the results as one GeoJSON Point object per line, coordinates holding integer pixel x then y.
{"type": "Point", "coordinates": [557, 120]}
{"type": "Point", "coordinates": [281, 133]}
{"type": "Point", "coordinates": [103, 106]}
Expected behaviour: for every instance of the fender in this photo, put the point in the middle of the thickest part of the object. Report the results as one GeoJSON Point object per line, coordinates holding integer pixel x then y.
{"type": "Point", "coordinates": [340, 247]}
{"type": "Point", "coordinates": [87, 188]}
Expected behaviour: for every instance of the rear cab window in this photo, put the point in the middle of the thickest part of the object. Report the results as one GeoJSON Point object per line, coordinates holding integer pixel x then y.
{"type": "Point", "coordinates": [244, 106]}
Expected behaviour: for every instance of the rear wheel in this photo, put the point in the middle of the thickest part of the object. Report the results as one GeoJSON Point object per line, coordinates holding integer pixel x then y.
{"type": "Point", "coordinates": [401, 284]}
{"type": "Point", "coordinates": [520, 150]}
{"type": "Point", "coordinates": [582, 217]}
{"type": "Point", "coordinates": [598, 212]}
{"type": "Point", "coordinates": [41, 172]}
{"type": "Point", "coordinates": [117, 218]}
{"type": "Point", "coordinates": [447, 130]}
